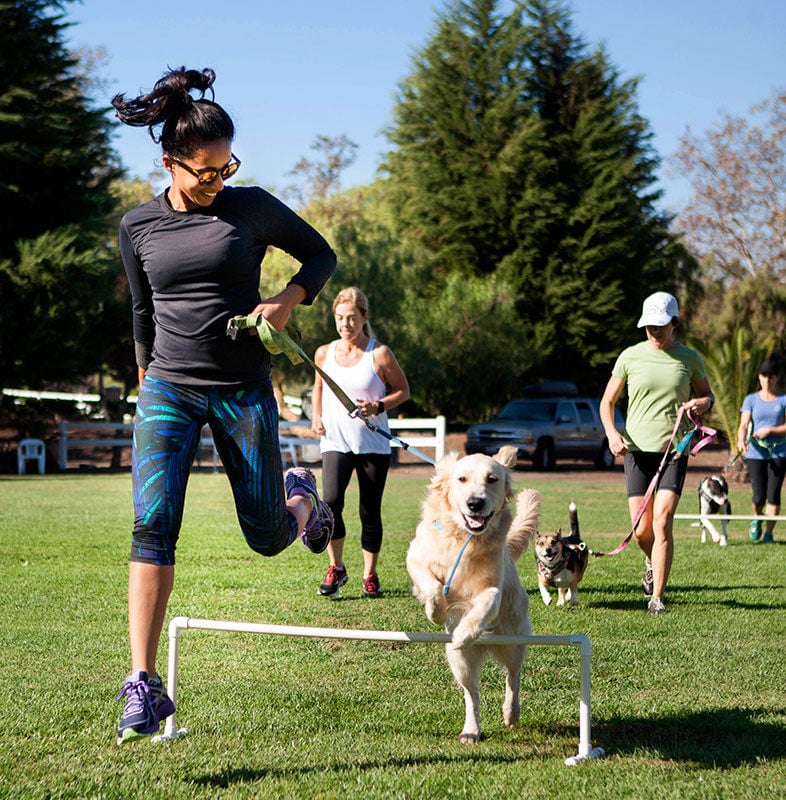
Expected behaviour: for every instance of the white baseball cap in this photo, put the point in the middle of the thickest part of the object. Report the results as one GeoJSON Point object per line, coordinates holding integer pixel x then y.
{"type": "Point", "coordinates": [659, 309]}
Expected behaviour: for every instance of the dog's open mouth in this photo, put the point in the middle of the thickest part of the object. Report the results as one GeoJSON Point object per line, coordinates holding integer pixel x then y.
{"type": "Point", "coordinates": [475, 522]}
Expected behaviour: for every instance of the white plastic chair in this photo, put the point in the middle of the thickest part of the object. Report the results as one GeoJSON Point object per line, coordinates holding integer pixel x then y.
{"type": "Point", "coordinates": [31, 450]}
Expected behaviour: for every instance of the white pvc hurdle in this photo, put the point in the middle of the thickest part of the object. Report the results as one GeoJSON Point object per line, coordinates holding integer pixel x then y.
{"type": "Point", "coordinates": [586, 750]}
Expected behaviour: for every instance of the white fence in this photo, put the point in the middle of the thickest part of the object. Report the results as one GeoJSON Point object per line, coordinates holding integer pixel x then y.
{"type": "Point", "coordinates": [430, 433]}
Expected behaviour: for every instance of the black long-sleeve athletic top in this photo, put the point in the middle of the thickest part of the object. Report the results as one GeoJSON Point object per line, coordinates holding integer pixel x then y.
{"type": "Point", "coordinates": [191, 271]}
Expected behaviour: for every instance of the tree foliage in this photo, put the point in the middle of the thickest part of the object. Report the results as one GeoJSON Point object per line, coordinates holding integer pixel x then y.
{"type": "Point", "coordinates": [465, 347]}
{"type": "Point", "coordinates": [735, 222]}
{"type": "Point", "coordinates": [57, 266]}
{"type": "Point", "coordinates": [322, 176]}
{"type": "Point", "coordinates": [732, 368]}
{"type": "Point", "coordinates": [370, 256]}
{"type": "Point", "coordinates": [736, 217]}
{"type": "Point", "coordinates": [756, 299]}
{"type": "Point", "coordinates": [521, 155]}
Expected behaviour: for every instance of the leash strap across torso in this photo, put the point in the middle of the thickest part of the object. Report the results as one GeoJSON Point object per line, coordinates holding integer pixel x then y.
{"type": "Point", "coordinates": [706, 435]}
{"type": "Point", "coordinates": [286, 342]}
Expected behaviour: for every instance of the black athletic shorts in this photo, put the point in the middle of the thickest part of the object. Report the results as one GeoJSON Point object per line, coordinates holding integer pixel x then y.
{"type": "Point", "coordinates": [640, 468]}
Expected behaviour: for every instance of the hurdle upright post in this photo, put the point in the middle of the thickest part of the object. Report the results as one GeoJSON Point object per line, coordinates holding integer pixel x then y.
{"type": "Point", "coordinates": [170, 729]}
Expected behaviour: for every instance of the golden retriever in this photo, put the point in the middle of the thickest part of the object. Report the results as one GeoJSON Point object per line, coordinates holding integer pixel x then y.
{"type": "Point", "coordinates": [470, 497]}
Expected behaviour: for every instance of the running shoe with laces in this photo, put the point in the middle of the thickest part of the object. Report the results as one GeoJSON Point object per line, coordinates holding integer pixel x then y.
{"type": "Point", "coordinates": [647, 579]}
{"type": "Point", "coordinates": [318, 531]}
{"type": "Point", "coordinates": [335, 578]}
{"type": "Point", "coordinates": [371, 586]}
{"type": "Point", "coordinates": [754, 529]}
{"type": "Point", "coordinates": [147, 703]}
{"type": "Point", "coordinates": [656, 606]}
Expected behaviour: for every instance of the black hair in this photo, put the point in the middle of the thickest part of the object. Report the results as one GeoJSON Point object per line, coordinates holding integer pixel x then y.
{"type": "Point", "coordinates": [188, 124]}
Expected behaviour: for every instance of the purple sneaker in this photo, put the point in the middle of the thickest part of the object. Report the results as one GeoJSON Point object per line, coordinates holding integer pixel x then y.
{"type": "Point", "coordinates": [318, 531]}
{"type": "Point", "coordinates": [147, 703]}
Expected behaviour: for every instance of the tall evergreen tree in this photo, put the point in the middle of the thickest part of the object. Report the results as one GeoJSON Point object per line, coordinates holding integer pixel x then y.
{"type": "Point", "coordinates": [520, 153]}
{"type": "Point", "coordinates": [56, 264]}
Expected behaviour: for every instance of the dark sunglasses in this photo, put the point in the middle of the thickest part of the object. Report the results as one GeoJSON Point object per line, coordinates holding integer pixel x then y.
{"type": "Point", "coordinates": [207, 175]}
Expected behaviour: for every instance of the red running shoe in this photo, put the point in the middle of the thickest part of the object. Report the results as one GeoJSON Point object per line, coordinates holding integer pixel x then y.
{"type": "Point", "coordinates": [371, 586]}
{"type": "Point", "coordinates": [335, 578]}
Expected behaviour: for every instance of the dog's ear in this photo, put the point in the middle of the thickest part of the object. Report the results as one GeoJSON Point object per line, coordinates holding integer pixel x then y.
{"type": "Point", "coordinates": [507, 456]}
{"type": "Point", "coordinates": [445, 465]}
{"type": "Point", "coordinates": [444, 468]}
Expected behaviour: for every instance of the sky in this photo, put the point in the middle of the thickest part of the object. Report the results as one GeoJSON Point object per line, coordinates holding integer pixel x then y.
{"type": "Point", "coordinates": [288, 72]}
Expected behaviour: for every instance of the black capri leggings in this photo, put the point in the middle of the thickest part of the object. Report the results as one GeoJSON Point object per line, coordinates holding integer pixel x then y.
{"type": "Point", "coordinates": [372, 471]}
{"type": "Point", "coordinates": [766, 480]}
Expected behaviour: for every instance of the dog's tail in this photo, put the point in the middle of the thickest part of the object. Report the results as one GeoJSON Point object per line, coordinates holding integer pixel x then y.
{"type": "Point", "coordinates": [575, 534]}
{"type": "Point", "coordinates": [525, 523]}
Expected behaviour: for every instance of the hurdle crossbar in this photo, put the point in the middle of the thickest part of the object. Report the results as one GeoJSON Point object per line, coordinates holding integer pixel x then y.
{"type": "Point", "coordinates": [178, 624]}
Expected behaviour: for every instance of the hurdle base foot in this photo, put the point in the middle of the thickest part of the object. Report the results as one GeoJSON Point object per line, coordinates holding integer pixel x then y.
{"type": "Point", "coordinates": [595, 752]}
{"type": "Point", "coordinates": [166, 737]}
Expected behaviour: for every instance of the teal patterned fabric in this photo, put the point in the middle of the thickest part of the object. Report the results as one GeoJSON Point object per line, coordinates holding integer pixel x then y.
{"type": "Point", "coordinates": [167, 428]}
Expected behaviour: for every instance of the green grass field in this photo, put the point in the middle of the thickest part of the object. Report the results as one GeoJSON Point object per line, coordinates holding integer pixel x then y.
{"type": "Point", "coordinates": [687, 705]}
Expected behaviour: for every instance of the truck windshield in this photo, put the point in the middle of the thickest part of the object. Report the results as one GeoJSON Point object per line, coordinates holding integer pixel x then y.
{"type": "Point", "coordinates": [532, 410]}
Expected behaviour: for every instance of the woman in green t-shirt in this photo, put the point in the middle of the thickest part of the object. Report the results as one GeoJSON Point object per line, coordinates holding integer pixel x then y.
{"type": "Point", "coordinates": [661, 376]}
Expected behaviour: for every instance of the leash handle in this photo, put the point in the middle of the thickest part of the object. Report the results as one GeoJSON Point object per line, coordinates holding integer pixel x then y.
{"type": "Point", "coordinates": [748, 434]}
{"type": "Point", "coordinates": [770, 448]}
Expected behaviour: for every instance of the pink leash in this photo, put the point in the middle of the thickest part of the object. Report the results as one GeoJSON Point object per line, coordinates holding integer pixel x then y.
{"type": "Point", "coordinates": [706, 434]}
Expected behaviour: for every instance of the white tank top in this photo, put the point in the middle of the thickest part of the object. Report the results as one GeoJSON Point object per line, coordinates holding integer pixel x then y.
{"type": "Point", "coordinates": [345, 434]}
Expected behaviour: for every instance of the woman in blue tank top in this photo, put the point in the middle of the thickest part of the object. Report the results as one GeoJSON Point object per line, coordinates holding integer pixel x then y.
{"type": "Point", "coordinates": [762, 437]}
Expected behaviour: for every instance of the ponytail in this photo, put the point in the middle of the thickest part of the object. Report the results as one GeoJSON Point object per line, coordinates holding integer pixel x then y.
{"type": "Point", "coordinates": [188, 123]}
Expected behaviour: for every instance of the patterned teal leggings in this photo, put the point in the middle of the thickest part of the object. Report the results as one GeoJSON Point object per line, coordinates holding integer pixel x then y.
{"type": "Point", "coordinates": [167, 429]}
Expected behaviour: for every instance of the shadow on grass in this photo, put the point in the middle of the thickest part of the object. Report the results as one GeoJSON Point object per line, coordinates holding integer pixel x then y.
{"type": "Point", "coordinates": [724, 737]}
{"type": "Point", "coordinates": [387, 594]}
{"type": "Point", "coordinates": [675, 596]}
{"type": "Point", "coordinates": [229, 777]}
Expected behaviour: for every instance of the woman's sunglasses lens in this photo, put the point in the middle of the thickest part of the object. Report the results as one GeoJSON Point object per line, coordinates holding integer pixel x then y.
{"type": "Point", "coordinates": [208, 177]}
{"type": "Point", "coordinates": [229, 170]}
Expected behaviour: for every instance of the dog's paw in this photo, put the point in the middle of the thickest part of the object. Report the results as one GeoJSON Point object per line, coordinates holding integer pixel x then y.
{"type": "Point", "coordinates": [469, 738]}
{"type": "Point", "coordinates": [464, 636]}
{"type": "Point", "coordinates": [436, 609]}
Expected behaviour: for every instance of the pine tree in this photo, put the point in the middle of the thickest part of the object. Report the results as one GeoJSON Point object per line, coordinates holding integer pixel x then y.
{"type": "Point", "coordinates": [520, 153]}
{"type": "Point", "coordinates": [460, 127]}
{"type": "Point", "coordinates": [56, 265]}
